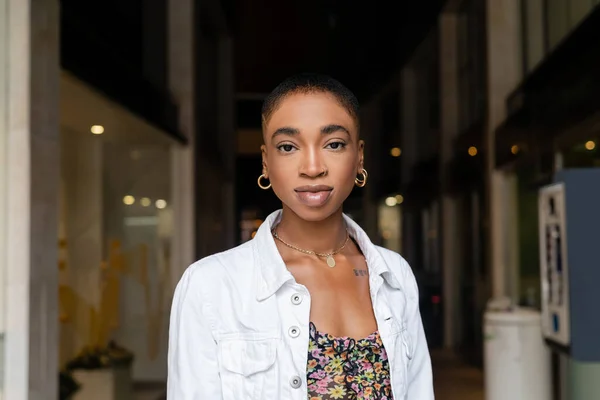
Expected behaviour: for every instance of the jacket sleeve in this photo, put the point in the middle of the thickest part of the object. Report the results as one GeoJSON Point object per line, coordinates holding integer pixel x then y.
{"type": "Point", "coordinates": [193, 372]}
{"type": "Point", "coordinates": [419, 379]}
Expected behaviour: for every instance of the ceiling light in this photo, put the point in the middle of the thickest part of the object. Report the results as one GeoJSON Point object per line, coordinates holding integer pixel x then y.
{"type": "Point", "coordinates": [590, 145]}
{"type": "Point", "coordinates": [395, 152]}
{"type": "Point", "coordinates": [128, 200]}
{"type": "Point", "coordinates": [160, 204]}
{"type": "Point", "coordinates": [391, 201]}
{"type": "Point", "coordinates": [514, 149]}
{"type": "Point", "coordinates": [472, 151]}
{"type": "Point", "coordinates": [145, 202]}
{"type": "Point", "coordinates": [399, 199]}
{"type": "Point", "coordinates": [97, 129]}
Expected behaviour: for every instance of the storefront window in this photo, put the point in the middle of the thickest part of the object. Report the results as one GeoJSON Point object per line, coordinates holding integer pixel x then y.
{"type": "Point", "coordinates": [390, 223]}
{"type": "Point", "coordinates": [115, 235]}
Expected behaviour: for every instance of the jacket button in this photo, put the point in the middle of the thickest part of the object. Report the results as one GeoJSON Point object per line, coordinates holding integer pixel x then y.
{"type": "Point", "coordinates": [295, 382]}
{"type": "Point", "coordinates": [296, 299]}
{"type": "Point", "coordinates": [294, 331]}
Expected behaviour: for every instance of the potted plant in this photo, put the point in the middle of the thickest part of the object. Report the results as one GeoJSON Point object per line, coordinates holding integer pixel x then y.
{"type": "Point", "coordinates": [104, 373]}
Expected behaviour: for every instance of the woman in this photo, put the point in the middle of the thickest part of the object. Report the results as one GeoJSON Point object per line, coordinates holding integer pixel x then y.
{"type": "Point", "coordinates": [309, 308]}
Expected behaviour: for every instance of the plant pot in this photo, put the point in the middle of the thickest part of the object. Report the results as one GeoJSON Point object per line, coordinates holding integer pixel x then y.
{"type": "Point", "coordinates": [113, 383]}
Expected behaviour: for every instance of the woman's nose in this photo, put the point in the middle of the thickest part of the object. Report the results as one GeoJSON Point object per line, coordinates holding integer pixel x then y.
{"type": "Point", "coordinates": [313, 165]}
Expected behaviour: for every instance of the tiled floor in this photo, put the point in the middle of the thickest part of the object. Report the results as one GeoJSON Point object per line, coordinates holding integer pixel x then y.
{"type": "Point", "coordinates": [454, 380]}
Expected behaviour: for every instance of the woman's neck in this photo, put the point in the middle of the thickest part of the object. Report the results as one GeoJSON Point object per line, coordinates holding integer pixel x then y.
{"type": "Point", "coordinates": [323, 236]}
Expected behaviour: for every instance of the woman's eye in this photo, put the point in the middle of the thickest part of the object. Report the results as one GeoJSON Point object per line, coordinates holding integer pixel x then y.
{"type": "Point", "coordinates": [286, 148]}
{"type": "Point", "coordinates": [336, 145]}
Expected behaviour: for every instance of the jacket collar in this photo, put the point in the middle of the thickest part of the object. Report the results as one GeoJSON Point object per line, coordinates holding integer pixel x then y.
{"type": "Point", "coordinates": [271, 272]}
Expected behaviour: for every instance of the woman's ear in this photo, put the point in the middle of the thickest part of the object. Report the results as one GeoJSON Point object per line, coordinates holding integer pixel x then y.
{"type": "Point", "coordinates": [263, 152]}
{"type": "Point", "coordinates": [361, 155]}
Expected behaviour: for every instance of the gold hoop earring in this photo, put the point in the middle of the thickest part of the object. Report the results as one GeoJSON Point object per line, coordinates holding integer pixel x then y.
{"type": "Point", "coordinates": [260, 185]}
{"type": "Point", "coordinates": [362, 182]}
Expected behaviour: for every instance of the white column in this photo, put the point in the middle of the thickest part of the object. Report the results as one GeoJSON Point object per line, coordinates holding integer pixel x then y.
{"type": "Point", "coordinates": [450, 232]}
{"type": "Point", "coordinates": [181, 28]}
{"type": "Point", "coordinates": [3, 173]}
{"type": "Point", "coordinates": [504, 73]}
{"type": "Point", "coordinates": [31, 130]}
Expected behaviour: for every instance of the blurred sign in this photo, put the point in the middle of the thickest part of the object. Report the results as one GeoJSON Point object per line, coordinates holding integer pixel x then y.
{"type": "Point", "coordinates": [554, 266]}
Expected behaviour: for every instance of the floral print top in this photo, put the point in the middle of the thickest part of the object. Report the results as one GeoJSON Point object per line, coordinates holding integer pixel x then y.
{"type": "Point", "coordinates": [347, 369]}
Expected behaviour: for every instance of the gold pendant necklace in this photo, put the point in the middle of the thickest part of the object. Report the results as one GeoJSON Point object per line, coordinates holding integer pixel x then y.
{"type": "Point", "coordinates": [328, 256]}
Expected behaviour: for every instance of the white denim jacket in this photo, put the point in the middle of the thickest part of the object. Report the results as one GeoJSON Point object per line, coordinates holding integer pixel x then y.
{"type": "Point", "coordinates": [240, 324]}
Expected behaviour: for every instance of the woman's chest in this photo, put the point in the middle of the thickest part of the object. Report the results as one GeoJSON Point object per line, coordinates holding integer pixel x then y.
{"type": "Point", "coordinates": [264, 347]}
{"type": "Point", "coordinates": [340, 298]}
{"type": "Point", "coordinates": [342, 307]}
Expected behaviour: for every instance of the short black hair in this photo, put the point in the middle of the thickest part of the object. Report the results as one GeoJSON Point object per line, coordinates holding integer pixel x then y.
{"type": "Point", "coordinates": [306, 83]}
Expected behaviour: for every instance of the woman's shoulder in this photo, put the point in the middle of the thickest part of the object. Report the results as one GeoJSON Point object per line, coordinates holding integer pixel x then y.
{"type": "Point", "coordinates": [394, 260]}
{"type": "Point", "coordinates": [210, 271]}
{"type": "Point", "coordinates": [398, 266]}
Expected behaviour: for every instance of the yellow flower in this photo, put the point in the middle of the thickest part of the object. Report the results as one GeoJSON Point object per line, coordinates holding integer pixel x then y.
{"type": "Point", "coordinates": [337, 392]}
{"type": "Point", "coordinates": [336, 363]}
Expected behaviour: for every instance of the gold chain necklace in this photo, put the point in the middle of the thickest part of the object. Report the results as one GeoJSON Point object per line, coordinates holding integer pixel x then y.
{"type": "Point", "coordinates": [328, 256]}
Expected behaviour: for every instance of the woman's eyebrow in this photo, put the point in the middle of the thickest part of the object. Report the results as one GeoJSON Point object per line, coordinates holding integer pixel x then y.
{"type": "Point", "coordinates": [333, 128]}
{"type": "Point", "coordinates": [286, 131]}
{"type": "Point", "coordinates": [326, 130]}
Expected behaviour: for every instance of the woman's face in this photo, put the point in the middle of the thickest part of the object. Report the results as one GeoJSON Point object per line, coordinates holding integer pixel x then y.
{"type": "Point", "coordinates": [311, 154]}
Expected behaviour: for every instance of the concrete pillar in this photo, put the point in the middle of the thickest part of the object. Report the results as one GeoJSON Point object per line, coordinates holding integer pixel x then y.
{"type": "Point", "coordinates": [505, 71]}
{"type": "Point", "coordinates": [450, 218]}
{"type": "Point", "coordinates": [181, 29]}
{"type": "Point", "coordinates": [3, 171]}
{"type": "Point", "coordinates": [29, 79]}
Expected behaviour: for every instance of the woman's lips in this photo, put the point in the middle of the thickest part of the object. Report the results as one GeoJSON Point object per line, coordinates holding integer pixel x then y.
{"type": "Point", "coordinates": [314, 195]}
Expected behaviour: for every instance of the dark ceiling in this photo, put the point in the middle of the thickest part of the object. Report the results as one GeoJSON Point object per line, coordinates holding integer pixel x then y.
{"type": "Point", "coordinates": [361, 43]}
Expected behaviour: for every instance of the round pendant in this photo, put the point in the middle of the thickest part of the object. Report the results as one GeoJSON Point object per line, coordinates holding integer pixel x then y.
{"type": "Point", "coordinates": [330, 261]}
